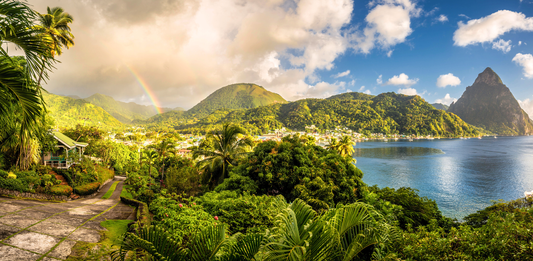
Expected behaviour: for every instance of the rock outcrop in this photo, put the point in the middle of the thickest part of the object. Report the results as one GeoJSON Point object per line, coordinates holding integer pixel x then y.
{"type": "Point", "coordinates": [489, 104]}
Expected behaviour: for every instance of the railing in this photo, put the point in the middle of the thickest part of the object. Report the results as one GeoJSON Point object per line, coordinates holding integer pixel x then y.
{"type": "Point", "coordinates": [57, 162]}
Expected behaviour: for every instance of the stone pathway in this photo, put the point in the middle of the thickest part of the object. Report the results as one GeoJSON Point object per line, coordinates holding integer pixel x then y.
{"type": "Point", "coordinates": [37, 230]}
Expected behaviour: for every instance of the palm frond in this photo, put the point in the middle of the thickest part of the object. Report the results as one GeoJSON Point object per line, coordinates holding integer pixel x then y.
{"type": "Point", "coordinates": [207, 243]}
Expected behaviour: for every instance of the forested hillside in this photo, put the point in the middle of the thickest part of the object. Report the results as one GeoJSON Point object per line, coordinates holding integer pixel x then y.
{"type": "Point", "coordinates": [122, 111]}
{"type": "Point", "coordinates": [235, 96]}
{"type": "Point", "coordinates": [386, 113]}
{"type": "Point", "coordinates": [67, 112]}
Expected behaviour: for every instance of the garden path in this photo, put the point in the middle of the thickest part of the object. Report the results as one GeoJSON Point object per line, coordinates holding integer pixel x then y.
{"type": "Point", "coordinates": [38, 230]}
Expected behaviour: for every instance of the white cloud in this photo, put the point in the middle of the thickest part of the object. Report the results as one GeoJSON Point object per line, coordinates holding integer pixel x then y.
{"type": "Point", "coordinates": [388, 24]}
{"type": "Point", "coordinates": [519, 43]}
{"type": "Point", "coordinates": [276, 44]}
{"type": "Point", "coordinates": [341, 74]}
{"type": "Point", "coordinates": [379, 80]}
{"type": "Point", "coordinates": [408, 91]}
{"type": "Point", "coordinates": [442, 18]}
{"type": "Point", "coordinates": [504, 46]}
{"type": "Point", "coordinates": [527, 106]}
{"type": "Point", "coordinates": [448, 80]}
{"type": "Point", "coordinates": [352, 83]}
{"type": "Point", "coordinates": [389, 53]}
{"type": "Point", "coordinates": [367, 92]}
{"type": "Point", "coordinates": [401, 79]}
{"type": "Point", "coordinates": [489, 28]}
{"type": "Point", "coordinates": [526, 61]}
{"type": "Point", "coordinates": [362, 88]}
{"type": "Point", "coordinates": [465, 16]}
{"type": "Point", "coordinates": [446, 100]}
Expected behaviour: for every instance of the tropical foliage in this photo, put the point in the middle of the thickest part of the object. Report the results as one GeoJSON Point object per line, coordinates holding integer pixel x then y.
{"type": "Point", "coordinates": [226, 149]}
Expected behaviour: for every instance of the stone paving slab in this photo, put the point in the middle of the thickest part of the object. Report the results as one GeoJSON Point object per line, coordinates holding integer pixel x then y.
{"type": "Point", "coordinates": [85, 235]}
{"type": "Point", "coordinates": [18, 221]}
{"type": "Point", "coordinates": [30, 229]}
{"type": "Point", "coordinates": [94, 225]}
{"type": "Point", "coordinates": [63, 250]}
{"type": "Point", "coordinates": [34, 214]}
{"type": "Point", "coordinates": [8, 253]}
{"type": "Point", "coordinates": [54, 229]}
{"type": "Point", "coordinates": [33, 241]}
{"type": "Point", "coordinates": [6, 231]}
{"type": "Point", "coordinates": [8, 208]}
{"type": "Point", "coordinates": [65, 218]}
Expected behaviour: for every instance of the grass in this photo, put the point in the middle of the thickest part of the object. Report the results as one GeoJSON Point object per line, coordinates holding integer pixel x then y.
{"type": "Point", "coordinates": [115, 231]}
{"type": "Point", "coordinates": [125, 193]}
{"type": "Point", "coordinates": [110, 190]}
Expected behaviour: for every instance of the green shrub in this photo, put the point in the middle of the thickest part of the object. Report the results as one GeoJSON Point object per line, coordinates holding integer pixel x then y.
{"type": "Point", "coordinates": [3, 174]}
{"type": "Point", "coordinates": [181, 219]}
{"type": "Point", "coordinates": [87, 189]}
{"type": "Point", "coordinates": [14, 184]}
{"type": "Point", "coordinates": [482, 216]}
{"type": "Point", "coordinates": [61, 190]}
{"type": "Point", "coordinates": [11, 175]}
{"type": "Point", "coordinates": [104, 173]}
{"type": "Point", "coordinates": [243, 213]}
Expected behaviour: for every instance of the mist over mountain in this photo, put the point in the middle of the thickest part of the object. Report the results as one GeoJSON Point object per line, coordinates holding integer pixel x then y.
{"type": "Point", "coordinates": [489, 104]}
{"type": "Point", "coordinates": [440, 106]}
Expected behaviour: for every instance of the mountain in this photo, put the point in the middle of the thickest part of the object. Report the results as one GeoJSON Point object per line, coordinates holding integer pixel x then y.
{"type": "Point", "coordinates": [75, 97]}
{"type": "Point", "coordinates": [352, 96]}
{"type": "Point", "coordinates": [235, 96]}
{"type": "Point", "coordinates": [386, 113]}
{"type": "Point", "coordinates": [122, 111]}
{"type": "Point", "coordinates": [440, 106]}
{"type": "Point", "coordinates": [489, 104]}
{"type": "Point", "coordinates": [67, 112]}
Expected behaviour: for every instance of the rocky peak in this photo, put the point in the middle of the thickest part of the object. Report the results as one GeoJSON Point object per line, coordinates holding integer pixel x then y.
{"type": "Point", "coordinates": [488, 76]}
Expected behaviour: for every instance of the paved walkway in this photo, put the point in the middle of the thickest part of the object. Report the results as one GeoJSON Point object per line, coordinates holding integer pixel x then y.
{"type": "Point", "coordinates": [37, 230]}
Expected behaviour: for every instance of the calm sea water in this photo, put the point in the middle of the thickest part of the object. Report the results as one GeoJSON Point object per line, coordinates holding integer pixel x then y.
{"type": "Point", "coordinates": [461, 175]}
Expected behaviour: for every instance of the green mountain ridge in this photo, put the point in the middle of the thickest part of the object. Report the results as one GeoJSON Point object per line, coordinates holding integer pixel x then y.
{"type": "Point", "coordinates": [386, 113]}
{"type": "Point", "coordinates": [235, 96]}
{"type": "Point", "coordinates": [489, 104]}
{"type": "Point", "coordinates": [122, 111]}
{"type": "Point", "coordinates": [352, 96]}
{"type": "Point", "coordinates": [67, 112]}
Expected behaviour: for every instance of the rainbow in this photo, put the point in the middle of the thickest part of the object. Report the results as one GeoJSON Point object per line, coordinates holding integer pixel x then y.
{"type": "Point", "coordinates": [147, 89]}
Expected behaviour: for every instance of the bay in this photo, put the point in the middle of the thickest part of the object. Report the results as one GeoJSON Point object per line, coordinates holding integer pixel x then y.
{"type": "Point", "coordinates": [461, 175]}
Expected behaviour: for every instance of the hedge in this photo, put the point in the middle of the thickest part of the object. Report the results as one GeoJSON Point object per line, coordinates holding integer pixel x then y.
{"type": "Point", "coordinates": [87, 189]}
{"type": "Point", "coordinates": [61, 190]}
{"type": "Point", "coordinates": [14, 184]}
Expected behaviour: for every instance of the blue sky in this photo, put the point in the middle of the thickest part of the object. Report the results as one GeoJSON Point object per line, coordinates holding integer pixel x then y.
{"type": "Point", "coordinates": [183, 50]}
{"type": "Point", "coordinates": [429, 52]}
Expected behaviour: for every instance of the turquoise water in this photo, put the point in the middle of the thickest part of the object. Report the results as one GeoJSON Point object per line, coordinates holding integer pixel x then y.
{"type": "Point", "coordinates": [461, 175]}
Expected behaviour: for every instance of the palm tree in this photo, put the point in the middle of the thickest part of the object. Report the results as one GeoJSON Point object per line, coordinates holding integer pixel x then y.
{"type": "Point", "coordinates": [54, 25]}
{"type": "Point", "coordinates": [345, 146]}
{"type": "Point", "coordinates": [18, 92]}
{"type": "Point", "coordinates": [149, 157]}
{"type": "Point", "coordinates": [165, 147]}
{"type": "Point", "coordinates": [227, 149]}
{"type": "Point", "coordinates": [205, 246]}
{"type": "Point", "coordinates": [339, 234]}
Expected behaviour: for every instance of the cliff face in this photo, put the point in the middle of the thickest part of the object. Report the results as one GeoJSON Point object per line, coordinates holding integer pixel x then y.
{"type": "Point", "coordinates": [489, 104]}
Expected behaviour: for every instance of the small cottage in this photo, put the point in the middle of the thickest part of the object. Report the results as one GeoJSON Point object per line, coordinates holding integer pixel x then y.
{"type": "Point", "coordinates": [66, 146]}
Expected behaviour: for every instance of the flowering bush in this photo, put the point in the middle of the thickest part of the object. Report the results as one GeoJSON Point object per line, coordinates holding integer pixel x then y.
{"type": "Point", "coordinates": [87, 189]}
{"type": "Point", "coordinates": [61, 190]}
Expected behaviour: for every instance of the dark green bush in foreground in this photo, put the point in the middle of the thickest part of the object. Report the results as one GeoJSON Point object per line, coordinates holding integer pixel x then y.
{"type": "Point", "coordinates": [87, 189]}
{"type": "Point", "coordinates": [243, 213]}
{"type": "Point", "coordinates": [14, 184]}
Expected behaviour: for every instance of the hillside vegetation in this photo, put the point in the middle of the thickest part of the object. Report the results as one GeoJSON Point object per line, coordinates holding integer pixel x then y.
{"type": "Point", "coordinates": [67, 112]}
{"type": "Point", "coordinates": [235, 96]}
{"type": "Point", "coordinates": [122, 111]}
{"type": "Point", "coordinates": [388, 113]}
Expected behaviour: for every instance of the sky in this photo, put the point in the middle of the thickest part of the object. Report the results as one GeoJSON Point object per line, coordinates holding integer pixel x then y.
{"type": "Point", "coordinates": [174, 53]}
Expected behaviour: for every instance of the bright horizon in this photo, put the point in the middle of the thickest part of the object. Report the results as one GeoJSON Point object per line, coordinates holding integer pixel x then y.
{"type": "Point", "coordinates": [185, 50]}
